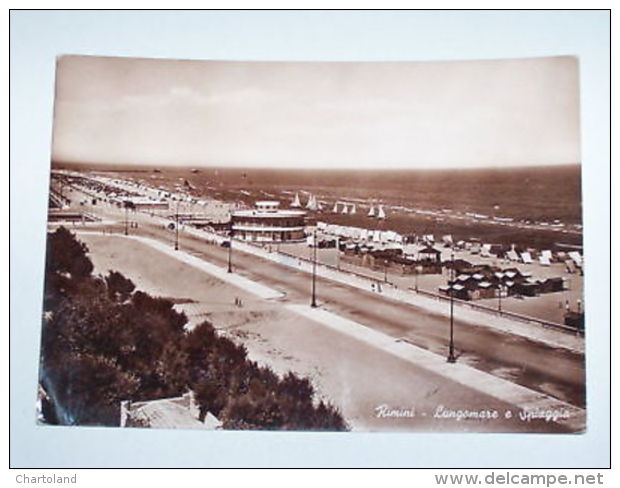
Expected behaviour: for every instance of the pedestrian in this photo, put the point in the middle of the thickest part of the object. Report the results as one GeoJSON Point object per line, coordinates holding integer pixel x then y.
{"type": "Point", "coordinates": [372, 287]}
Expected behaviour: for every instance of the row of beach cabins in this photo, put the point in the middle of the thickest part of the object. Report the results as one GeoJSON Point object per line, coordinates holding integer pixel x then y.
{"type": "Point", "coordinates": [359, 240]}
{"type": "Point", "coordinates": [472, 282]}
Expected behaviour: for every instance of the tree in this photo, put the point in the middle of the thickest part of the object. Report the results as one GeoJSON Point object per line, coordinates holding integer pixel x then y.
{"type": "Point", "coordinates": [104, 342]}
{"type": "Point", "coordinates": [119, 287]}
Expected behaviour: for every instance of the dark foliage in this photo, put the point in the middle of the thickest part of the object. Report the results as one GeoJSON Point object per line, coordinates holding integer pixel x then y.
{"type": "Point", "coordinates": [104, 342]}
{"type": "Point", "coordinates": [246, 396]}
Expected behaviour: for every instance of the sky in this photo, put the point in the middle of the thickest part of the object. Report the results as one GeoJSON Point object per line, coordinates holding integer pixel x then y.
{"type": "Point", "coordinates": [372, 115]}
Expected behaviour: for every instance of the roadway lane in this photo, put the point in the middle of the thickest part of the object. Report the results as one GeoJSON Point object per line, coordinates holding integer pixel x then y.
{"type": "Point", "coordinates": [557, 372]}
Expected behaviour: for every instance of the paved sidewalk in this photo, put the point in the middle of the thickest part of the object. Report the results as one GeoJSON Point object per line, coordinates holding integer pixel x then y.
{"type": "Point", "coordinates": [532, 331]}
{"type": "Point", "coordinates": [526, 401]}
{"type": "Point", "coordinates": [234, 279]}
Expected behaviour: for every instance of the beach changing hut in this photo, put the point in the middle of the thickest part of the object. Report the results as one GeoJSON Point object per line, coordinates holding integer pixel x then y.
{"type": "Point", "coordinates": [429, 253]}
{"type": "Point", "coordinates": [545, 258]}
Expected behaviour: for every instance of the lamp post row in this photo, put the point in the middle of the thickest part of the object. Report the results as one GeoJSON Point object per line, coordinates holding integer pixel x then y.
{"type": "Point", "coordinates": [451, 356]}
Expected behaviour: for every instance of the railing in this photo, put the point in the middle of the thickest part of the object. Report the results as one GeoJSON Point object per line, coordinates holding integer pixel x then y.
{"type": "Point", "coordinates": [336, 268]}
{"type": "Point", "coordinates": [501, 313]}
{"type": "Point", "coordinates": [436, 296]}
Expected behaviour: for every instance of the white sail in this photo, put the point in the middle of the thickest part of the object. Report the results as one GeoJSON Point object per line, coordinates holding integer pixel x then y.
{"type": "Point", "coordinates": [345, 209]}
{"type": "Point", "coordinates": [371, 212]}
{"type": "Point", "coordinates": [353, 211]}
{"type": "Point", "coordinates": [296, 202]}
{"type": "Point", "coordinates": [380, 213]}
{"type": "Point", "coordinates": [335, 209]}
{"type": "Point", "coordinates": [312, 203]}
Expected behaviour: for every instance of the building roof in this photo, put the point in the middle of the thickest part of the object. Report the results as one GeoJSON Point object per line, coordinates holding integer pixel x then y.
{"type": "Point", "coordinates": [429, 250]}
{"type": "Point", "coordinates": [169, 413]}
{"type": "Point", "coordinates": [165, 414]}
{"type": "Point", "coordinates": [269, 214]}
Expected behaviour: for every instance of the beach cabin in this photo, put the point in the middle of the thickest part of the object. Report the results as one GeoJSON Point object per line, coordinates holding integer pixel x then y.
{"type": "Point", "coordinates": [486, 290]}
{"type": "Point", "coordinates": [447, 240]}
{"type": "Point", "coordinates": [485, 250]}
{"type": "Point", "coordinates": [545, 258]}
{"type": "Point", "coordinates": [551, 285]}
{"type": "Point", "coordinates": [512, 255]}
{"type": "Point", "coordinates": [529, 287]}
{"type": "Point", "coordinates": [429, 253]}
{"type": "Point", "coordinates": [576, 257]}
{"type": "Point", "coordinates": [526, 257]}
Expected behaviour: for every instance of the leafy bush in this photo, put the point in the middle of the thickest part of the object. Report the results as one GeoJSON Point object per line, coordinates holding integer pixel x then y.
{"type": "Point", "coordinates": [104, 342]}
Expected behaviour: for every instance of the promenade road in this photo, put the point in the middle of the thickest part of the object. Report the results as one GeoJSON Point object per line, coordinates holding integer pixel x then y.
{"type": "Point", "coordinates": [554, 371]}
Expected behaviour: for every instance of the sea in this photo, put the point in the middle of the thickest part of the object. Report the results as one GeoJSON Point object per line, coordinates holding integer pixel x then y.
{"type": "Point", "coordinates": [536, 207]}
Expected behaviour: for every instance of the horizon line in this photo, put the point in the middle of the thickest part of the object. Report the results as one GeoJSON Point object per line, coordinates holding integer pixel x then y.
{"type": "Point", "coordinates": [292, 166]}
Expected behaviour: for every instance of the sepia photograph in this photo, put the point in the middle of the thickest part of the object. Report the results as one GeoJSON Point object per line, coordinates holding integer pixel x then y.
{"type": "Point", "coordinates": [315, 246]}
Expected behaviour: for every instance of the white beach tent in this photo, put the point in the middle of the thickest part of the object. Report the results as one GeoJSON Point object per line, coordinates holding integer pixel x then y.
{"type": "Point", "coordinates": [576, 257]}
{"type": "Point", "coordinates": [512, 255]}
{"type": "Point", "coordinates": [526, 257]}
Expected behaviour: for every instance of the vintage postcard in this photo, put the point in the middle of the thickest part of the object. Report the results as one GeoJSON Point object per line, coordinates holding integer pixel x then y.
{"type": "Point", "coordinates": [334, 246]}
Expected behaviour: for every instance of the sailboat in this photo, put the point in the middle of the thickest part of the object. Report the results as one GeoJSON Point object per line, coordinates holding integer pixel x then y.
{"type": "Point", "coordinates": [311, 205]}
{"type": "Point", "coordinates": [345, 209]}
{"type": "Point", "coordinates": [353, 211]}
{"type": "Point", "coordinates": [371, 212]}
{"type": "Point", "coordinates": [296, 202]}
{"type": "Point", "coordinates": [381, 213]}
{"type": "Point", "coordinates": [335, 209]}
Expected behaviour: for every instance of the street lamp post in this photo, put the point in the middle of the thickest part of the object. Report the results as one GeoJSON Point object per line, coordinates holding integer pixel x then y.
{"type": "Point", "coordinates": [126, 218]}
{"type": "Point", "coordinates": [385, 270]}
{"type": "Point", "coordinates": [230, 244]}
{"type": "Point", "coordinates": [499, 296]}
{"type": "Point", "coordinates": [176, 228]}
{"type": "Point", "coordinates": [451, 356]}
{"type": "Point", "coordinates": [338, 253]}
{"type": "Point", "coordinates": [230, 239]}
{"type": "Point", "coordinates": [313, 303]}
{"type": "Point", "coordinates": [417, 274]}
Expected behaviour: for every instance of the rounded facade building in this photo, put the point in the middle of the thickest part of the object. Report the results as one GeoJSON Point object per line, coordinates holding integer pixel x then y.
{"type": "Point", "coordinates": [267, 223]}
